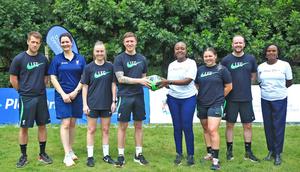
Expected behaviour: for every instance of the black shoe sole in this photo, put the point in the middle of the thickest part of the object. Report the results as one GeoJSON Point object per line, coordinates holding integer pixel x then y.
{"type": "Point", "coordinates": [22, 165]}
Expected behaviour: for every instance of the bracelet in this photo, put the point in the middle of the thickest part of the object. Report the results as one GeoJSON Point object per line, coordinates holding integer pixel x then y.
{"type": "Point", "coordinates": [170, 83]}
{"type": "Point", "coordinates": [115, 101]}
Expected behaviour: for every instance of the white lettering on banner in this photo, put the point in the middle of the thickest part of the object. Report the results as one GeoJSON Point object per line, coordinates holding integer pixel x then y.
{"type": "Point", "coordinates": [159, 110]}
{"type": "Point", "coordinates": [11, 102]}
{"type": "Point", "coordinates": [14, 103]}
{"type": "Point", "coordinates": [55, 40]}
{"type": "Point", "coordinates": [51, 105]}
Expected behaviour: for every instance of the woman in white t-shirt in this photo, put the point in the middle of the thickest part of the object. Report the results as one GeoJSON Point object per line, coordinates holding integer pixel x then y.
{"type": "Point", "coordinates": [181, 100]}
{"type": "Point", "coordinates": [274, 77]}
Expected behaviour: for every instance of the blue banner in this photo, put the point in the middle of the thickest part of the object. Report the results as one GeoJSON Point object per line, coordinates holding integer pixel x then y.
{"type": "Point", "coordinates": [52, 39]}
{"type": "Point", "coordinates": [9, 107]}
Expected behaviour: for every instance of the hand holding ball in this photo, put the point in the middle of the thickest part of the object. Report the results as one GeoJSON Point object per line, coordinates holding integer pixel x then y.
{"type": "Point", "coordinates": [154, 82]}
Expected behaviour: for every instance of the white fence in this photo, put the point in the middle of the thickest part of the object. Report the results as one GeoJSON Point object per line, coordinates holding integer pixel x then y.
{"type": "Point", "coordinates": [159, 111]}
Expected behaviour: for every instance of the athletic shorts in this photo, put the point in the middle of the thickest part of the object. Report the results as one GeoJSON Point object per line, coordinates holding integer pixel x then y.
{"type": "Point", "coordinates": [245, 109]}
{"type": "Point", "coordinates": [33, 109]}
{"type": "Point", "coordinates": [213, 111]}
{"type": "Point", "coordinates": [128, 105]}
{"type": "Point", "coordinates": [68, 110]}
{"type": "Point", "coordinates": [100, 113]}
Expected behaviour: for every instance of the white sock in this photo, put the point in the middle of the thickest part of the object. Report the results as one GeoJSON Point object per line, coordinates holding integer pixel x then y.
{"type": "Point", "coordinates": [90, 151]}
{"type": "Point", "coordinates": [138, 150]}
{"type": "Point", "coordinates": [215, 161]}
{"type": "Point", "coordinates": [121, 151]}
{"type": "Point", "coordinates": [105, 149]}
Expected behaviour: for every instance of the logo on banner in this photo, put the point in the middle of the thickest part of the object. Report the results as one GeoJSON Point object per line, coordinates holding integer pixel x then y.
{"type": "Point", "coordinates": [52, 39]}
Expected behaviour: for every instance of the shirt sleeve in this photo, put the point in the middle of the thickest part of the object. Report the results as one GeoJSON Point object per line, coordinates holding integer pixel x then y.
{"type": "Point", "coordinates": [226, 76]}
{"type": "Point", "coordinates": [254, 65]}
{"type": "Point", "coordinates": [118, 66]}
{"type": "Point", "coordinates": [53, 68]}
{"type": "Point", "coordinates": [288, 72]}
{"type": "Point", "coordinates": [259, 73]}
{"type": "Point", "coordinates": [15, 66]}
{"type": "Point", "coordinates": [83, 63]}
{"type": "Point", "coordinates": [85, 78]}
{"type": "Point", "coordinates": [197, 75]}
{"type": "Point", "coordinates": [223, 62]}
{"type": "Point", "coordinates": [191, 72]}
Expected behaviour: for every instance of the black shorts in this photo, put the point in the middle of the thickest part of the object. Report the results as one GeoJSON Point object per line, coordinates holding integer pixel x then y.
{"type": "Point", "coordinates": [245, 109]}
{"type": "Point", "coordinates": [33, 109]}
{"type": "Point", "coordinates": [100, 113]}
{"type": "Point", "coordinates": [213, 111]}
{"type": "Point", "coordinates": [131, 104]}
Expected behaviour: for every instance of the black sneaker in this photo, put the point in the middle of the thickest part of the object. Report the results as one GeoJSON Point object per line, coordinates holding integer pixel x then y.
{"type": "Point", "coordinates": [190, 160]}
{"type": "Point", "coordinates": [22, 161]}
{"type": "Point", "coordinates": [140, 159]}
{"type": "Point", "coordinates": [108, 159]}
{"type": "Point", "coordinates": [120, 161]}
{"type": "Point", "coordinates": [178, 159]}
{"type": "Point", "coordinates": [277, 159]}
{"type": "Point", "coordinates": [44, 158]}
{"type": "Point", "coordinates": [215, 164]}
{"type": "Point", "coordinates": [229, 156]}
{"type": "Point", "coordinates": [250, 156]}
{"type": "Point", "coordinates": [215, 167]}
{"type": "Point", "coordinates": [270, 156]}
{"type": "Point", "coordinates": [90, 162]}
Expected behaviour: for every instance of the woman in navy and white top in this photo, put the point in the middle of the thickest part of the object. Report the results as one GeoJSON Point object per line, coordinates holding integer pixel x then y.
{"type": "Point", "coordinates": [65, 71]}
{"type": "Point", "coordinates": [99, 100]}
{"type": "Point", "coordinates": [214, 83]}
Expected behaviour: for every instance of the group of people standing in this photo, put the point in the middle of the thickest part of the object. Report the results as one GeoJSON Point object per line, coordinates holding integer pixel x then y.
{"type": "Point", "coordinates": [223, 91]}
{"type": "Point", "coordinates": [79, 88]}
{"type": "Point", "coordinates": [216, 89]}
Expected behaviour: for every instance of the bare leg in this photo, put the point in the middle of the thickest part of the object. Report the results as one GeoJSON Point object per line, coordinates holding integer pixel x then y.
{"type": "Point", "coordinates": [122, 134]}
{"type": "Point", "coordinates": [138, 125]}
{"type": "Point", "coordinates": [42, 133]}
{"type": "Point", "coordinates": [65, 134]}
{"type": "Point", "coordinates": [229, 131]}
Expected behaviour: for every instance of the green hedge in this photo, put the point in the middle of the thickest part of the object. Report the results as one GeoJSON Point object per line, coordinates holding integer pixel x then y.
{"type": "Point", "coordinates": [159, 24]}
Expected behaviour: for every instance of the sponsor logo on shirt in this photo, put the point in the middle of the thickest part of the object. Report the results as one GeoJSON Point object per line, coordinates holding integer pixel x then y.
{"type": "Point", "coordinates": [77, 62]}
{"type": "Point", "coordinates": [33, 65]}
{"type": "Point", "coordinates": [100, 74]}
{"type": "Point", "coordinates": [237, 65]}
{"type": "Point", "coordinates": [132, 64]}
{"type": "Point", "coordinates": [64, 63]}
{"type": "Point", "coordinates": [205, 74]}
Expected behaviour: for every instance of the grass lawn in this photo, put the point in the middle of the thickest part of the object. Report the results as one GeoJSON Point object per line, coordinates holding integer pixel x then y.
{"type": "Point", "coordinates": [159, 149]}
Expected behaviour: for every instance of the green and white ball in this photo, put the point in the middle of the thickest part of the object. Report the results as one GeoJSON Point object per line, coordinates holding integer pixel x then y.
{"type": "Point", "coordinates": [154, 82]}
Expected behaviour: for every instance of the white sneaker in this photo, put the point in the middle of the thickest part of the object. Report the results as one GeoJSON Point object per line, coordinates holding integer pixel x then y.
{"type": "Point", "coordinates": [68, 160]}
{"type": "Point", "coordinates": [73, 156]}
{"type": "Point", "coordinates": [208, 157]}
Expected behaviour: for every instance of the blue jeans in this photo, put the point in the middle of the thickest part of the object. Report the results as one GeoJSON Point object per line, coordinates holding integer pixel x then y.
{"type": "Point", "coordinates": [182, 112]}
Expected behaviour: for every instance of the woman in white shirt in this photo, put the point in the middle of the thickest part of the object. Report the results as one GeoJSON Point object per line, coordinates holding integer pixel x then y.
{"type": "Point", "coordinates": [181, 100]}
{"type": "Point", "coordinates": [274, 77]}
